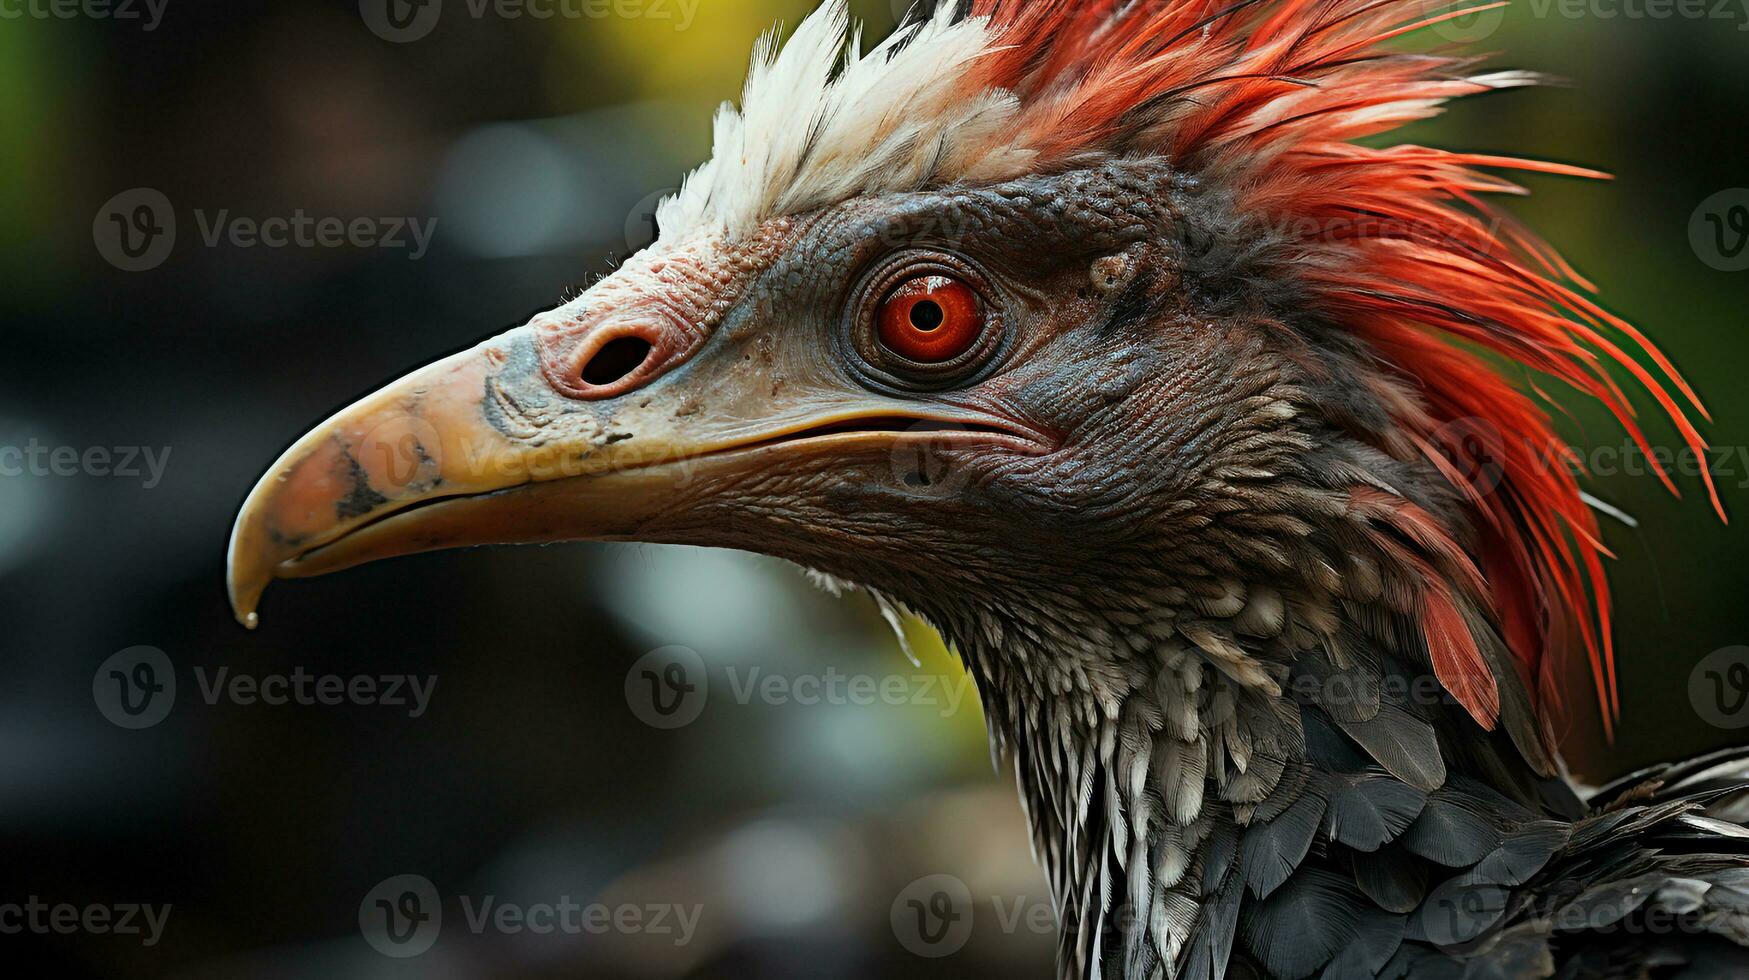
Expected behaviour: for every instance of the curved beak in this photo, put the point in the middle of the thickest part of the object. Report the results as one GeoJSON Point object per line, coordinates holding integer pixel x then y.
{"type": "Point", "coordinates": [478, 449]}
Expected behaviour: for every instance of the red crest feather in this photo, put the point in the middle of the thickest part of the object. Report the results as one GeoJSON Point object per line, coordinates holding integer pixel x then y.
{"type": "Point", "coordinates": [1268, 96]}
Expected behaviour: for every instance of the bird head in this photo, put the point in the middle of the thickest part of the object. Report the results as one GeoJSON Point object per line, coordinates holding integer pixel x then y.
{"type": "Point", "coordinates": [917, 391]}
{"type": "Point", "coordinates": [1086, 330]}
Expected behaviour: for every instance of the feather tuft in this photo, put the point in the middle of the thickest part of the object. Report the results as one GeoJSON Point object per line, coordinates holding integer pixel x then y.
{"type": "Point", "coordinates": [1399, 245]}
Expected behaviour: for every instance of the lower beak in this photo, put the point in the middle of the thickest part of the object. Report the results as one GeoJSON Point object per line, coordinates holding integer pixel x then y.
{"type": "Point", "coordinates": [477, 449]}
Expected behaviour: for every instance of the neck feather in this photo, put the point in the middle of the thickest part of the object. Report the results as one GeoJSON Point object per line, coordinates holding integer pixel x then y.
{"type": "Point", "coordinates": [1178, 755]}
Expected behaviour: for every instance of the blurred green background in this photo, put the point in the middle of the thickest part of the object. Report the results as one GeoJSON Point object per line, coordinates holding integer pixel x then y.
{"type": "Point", "coordinates": [538, 146]}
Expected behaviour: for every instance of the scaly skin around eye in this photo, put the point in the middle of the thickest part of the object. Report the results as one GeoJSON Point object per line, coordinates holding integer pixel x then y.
{"type": "Point", "coordinates": [931, 319]}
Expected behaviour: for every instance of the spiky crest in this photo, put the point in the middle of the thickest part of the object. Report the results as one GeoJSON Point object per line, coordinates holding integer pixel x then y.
{"type": "Point", "coordinates": [1266, 97]}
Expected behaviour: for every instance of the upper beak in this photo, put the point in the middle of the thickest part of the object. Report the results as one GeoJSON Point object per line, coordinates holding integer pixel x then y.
{"type": "Point", "coordinates": [478, 449]}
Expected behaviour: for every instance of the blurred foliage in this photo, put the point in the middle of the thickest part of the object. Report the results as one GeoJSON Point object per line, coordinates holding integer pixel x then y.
{"type": "Point", "coordinates": [40, 128]}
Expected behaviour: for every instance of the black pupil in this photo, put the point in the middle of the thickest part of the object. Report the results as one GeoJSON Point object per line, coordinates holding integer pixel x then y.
{"type": "Point", "coordinates": [927, 315]}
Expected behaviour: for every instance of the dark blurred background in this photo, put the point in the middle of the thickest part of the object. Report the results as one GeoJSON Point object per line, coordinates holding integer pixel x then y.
{"type": "Point", "coordinates": [537, 146]}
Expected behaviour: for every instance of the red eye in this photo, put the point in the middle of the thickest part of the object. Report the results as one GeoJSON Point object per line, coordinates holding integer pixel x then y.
{"type": "Point", "coordinates": [931, 319]}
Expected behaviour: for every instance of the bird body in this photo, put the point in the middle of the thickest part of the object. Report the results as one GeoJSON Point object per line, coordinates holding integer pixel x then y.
{"type": "Point", "coordinates": [1090, 334]}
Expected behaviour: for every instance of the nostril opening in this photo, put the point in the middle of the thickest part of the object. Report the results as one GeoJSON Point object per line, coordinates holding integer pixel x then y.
{"type": "Point", "coordinates": [616, 359]}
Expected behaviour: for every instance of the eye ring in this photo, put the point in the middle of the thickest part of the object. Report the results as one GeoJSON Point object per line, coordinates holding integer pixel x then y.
{"type": "Point", "coordinates": [911, 355]}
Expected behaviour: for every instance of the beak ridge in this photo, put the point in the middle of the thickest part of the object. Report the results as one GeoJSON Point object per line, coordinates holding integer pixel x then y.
{"type": "Point", "coordinates": [478, 449]}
